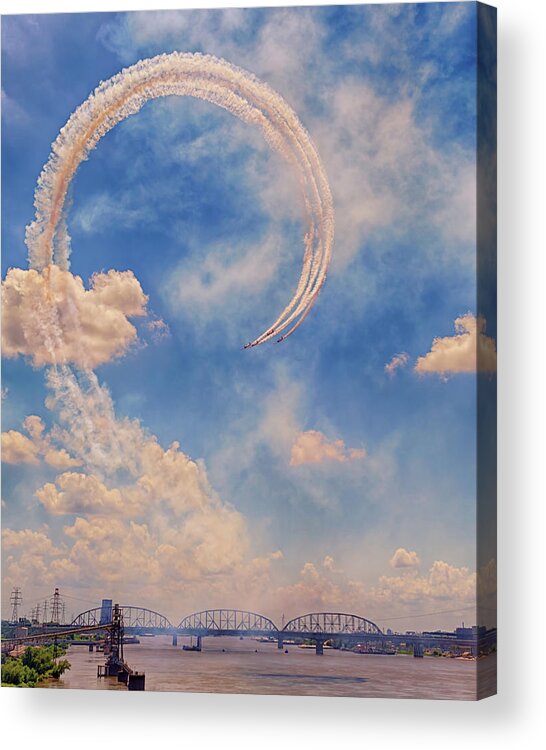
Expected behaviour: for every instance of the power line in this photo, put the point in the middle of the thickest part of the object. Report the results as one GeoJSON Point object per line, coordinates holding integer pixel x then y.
{"type": "Point", "coordinates": [78, 598]}
{"type": "Point", "coordinates": [431, 614]}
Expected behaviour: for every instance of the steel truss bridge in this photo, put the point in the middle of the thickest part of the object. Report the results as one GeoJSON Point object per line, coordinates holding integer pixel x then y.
{"type": "Point", "coordinates": [317, 627]}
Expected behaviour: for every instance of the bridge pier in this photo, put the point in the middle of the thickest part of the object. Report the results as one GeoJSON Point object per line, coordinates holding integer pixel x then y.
{"type": "Point", "coordinates": [319, 648]}
{"type": "Point", "coordinates": [123, 676]}
{"type": "Point", "coordinates": [137, 681]}
{"type": "Point", "coordinates": [175, 640]}
{"type": "Point", "coordinates": [280, 642]}
{"type": "Point", "coordinates": [418, 650]}
{"type": "Point", "coordinates": [90, 647]}
{"type": "Point", "coordinates": [199, 642]}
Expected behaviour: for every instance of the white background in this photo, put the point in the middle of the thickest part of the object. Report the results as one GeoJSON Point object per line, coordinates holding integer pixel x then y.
{"type": "Point", "coordinates": [46, 719]}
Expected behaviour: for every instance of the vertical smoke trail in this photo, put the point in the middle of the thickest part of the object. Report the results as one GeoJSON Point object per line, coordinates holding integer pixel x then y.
{"type": "Point", "coordinates": [213, 80]}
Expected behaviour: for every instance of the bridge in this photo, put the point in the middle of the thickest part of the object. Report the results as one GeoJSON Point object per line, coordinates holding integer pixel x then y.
{"type": "Point", "coordinates": [316, 627]}
{"type": "Point", "coordinates": [135, 620]}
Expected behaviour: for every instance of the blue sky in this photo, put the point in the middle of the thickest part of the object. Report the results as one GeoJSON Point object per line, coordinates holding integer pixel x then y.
{"type": "Point", "coordinates": [209, 221]}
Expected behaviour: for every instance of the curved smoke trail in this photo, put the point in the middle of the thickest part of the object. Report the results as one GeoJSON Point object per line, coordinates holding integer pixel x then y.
{"type": "Point", "coordinates": [214, 80]}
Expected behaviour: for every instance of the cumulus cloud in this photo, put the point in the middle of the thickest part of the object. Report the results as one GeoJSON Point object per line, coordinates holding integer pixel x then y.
{"type": "Point", "coordinates": [38, 540]}
{"type": "Point", "coordinates": [442, 583]}
{"type": "Point", "coordinates": [29, 556]}
{"type": "Point", "coordinates": [328, 562]}
{"type": "Point", "coordinates": [399, 360]}
{"type": "Point", "coordinates": [323, 587]}
{"type": "Point", "coordinates": [403, 558]}
{"type": "Point", "coordinates": [470, 349]}
{"type": "Point", "coordinates": [50, 317]}
{"type": "Point", "coordinates": [60, 459]}
{"type": "Point", "coordinates": [313, 447]}
{"type": "Point", "coordinates": [20, 449]}
{"type": "Point", "coordinates": [159, 501]}
{"type": "Point", "coordinates": [79, 493]}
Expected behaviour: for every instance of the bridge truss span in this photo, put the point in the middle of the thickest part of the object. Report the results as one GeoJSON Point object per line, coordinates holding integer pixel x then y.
{"type": "Point", "coordinates": [133, 617]}
{"type": "Point", "coordinates": [227, 620]}
{"type": "Point", "coordinates": [332, 623]}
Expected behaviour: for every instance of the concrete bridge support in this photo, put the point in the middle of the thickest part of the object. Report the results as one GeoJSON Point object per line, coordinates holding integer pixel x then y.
{"type": "Point", "coordinates": [175, 640]}
{"type": "Point", "coordinates": [199, 642]}
{"type": "Point", "coordinates": [280, 643]}
{"type": "Point", "coordinates": [137, 681]}
{"type": "Point", "coordinates": [319, 648]}
{"type": "Point", "coordinates": [418, 650]}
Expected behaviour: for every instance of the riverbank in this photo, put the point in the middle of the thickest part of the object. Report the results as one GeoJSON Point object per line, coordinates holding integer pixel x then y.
{"type": "Point", "coordinates": [35, 666]}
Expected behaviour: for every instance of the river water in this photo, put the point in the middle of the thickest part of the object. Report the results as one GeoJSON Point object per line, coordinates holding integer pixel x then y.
{"type": "Point", "coordinates": [230, 665]}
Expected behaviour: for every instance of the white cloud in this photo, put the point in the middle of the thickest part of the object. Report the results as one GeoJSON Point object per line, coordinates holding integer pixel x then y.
{"type": "Point", "coordinates": [19, 449]}
{"type": "Point", "coordinates": [399, 360]}
{"type": "Point", "coordinates": [384, 171]}
{"type": "Point", "coordinates": [159, 501]}
{"type": "Point", "coordinates": [379, 155]}
{"type": "Point", "coordinates": [79, 493]}
{"type": "Point", "coordinates": [442, 583]}
{"type": "Point", "coordinates": [159, 329]}
{"type": "Point", "coordinates": [403, 558]}
{"type": "Point", "coordinates": [312, 447]}
{"type": "Point", "coordinates": [12, 112]}
{"type": "Point", "coordinates": [228, 278]}
{"type": "Point", "coordinates": [100, 210]}
{"type": "Point", "coordinates": [470, 349]}
{"type": "Point", "coordinates": [50, 317]}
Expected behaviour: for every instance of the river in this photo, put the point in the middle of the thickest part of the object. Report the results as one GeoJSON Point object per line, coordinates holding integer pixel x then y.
{"type": "Point", "coordinates": [230, 665]}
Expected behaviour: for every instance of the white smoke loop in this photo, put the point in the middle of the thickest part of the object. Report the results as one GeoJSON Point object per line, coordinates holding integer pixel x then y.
{"type": "Point", "coordinates": [214, 80]}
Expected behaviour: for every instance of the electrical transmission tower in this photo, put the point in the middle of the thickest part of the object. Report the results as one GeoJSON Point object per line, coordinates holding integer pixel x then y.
{"type": "Point", "coordinates": [35, 614]}
{"type": "Point", "coordinates": [16, 599]}
{"type": "Point", "coordinates": [56, 608]}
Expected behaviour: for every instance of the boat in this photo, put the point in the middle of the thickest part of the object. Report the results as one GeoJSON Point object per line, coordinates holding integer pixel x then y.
{"type": "Point", "coordinates": [129, 639]}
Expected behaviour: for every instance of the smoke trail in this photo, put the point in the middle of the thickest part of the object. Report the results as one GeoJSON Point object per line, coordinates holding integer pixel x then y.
{"type": "Point", "coordinates": [214, 80]}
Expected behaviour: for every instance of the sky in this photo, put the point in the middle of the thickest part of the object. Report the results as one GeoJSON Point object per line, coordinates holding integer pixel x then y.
{"type": "Point", "coordinates": [335, 471]}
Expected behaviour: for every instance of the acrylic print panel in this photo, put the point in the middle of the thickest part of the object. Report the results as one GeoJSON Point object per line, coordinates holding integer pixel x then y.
{"type": "Point", "coordinates": [249, 351]}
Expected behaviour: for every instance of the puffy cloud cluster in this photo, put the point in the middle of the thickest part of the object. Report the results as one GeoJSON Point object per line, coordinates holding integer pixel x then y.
{"type": "Point", "coordinates": [323, 587]}
{"type": "Point", "coordinates": [317, 589]}
{"type": "Point", "coordinates": [79, 493]}
{"type": "Point", "coordinates": [403, 558]}
{"type": "Point", "coordinates": [442, 583]}
{"type": "Point", "coordinates": [29, 556]}
{"type": "Point", "coordinates": [52, 318]}
{"type": "Point", "coordinates": [17, 448]}
{"type": "Point", "coordinates": [313, 447]}
{"type": "Point", "coordinates": [468, 351]}
{"type": "Point", "coordinates": [151, 508]}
